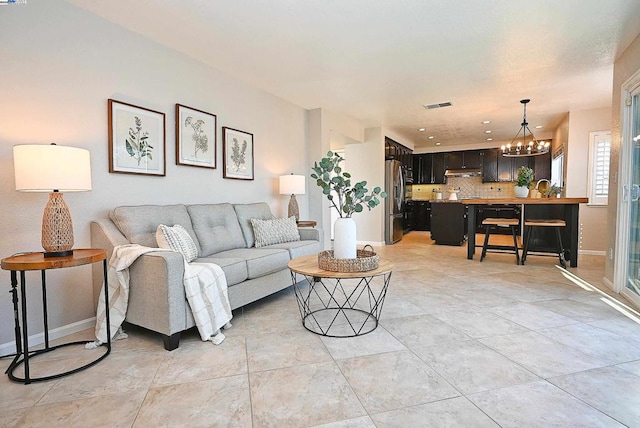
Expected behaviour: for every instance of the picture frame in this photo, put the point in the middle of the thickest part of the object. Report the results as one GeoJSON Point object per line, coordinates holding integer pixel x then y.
{"type": "Point", "coordinates": [196, 132]}
{"type": "Point", "coordinates": [137, 139]}
{"type": "Point", "coordinates": [237, 154]}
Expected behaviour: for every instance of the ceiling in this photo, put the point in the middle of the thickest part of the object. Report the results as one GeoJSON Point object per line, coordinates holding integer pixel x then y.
{"type": "Point", "coordinates": [380, 61]}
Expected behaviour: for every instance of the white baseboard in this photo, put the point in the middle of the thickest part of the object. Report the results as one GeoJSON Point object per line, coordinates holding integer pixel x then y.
{"type": "Point", "coordinates": [56, 333]}
{"type": "Point", "coordinates": [608, 283]}
{"type": "Point", "coordinates": [592, 252]}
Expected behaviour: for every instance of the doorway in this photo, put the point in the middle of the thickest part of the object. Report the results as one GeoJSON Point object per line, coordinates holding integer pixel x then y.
{"type": "Point", "coordinates": [628, 234]}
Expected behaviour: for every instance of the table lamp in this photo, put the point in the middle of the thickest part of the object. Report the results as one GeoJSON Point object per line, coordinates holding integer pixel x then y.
{"type": "Point", "coordinates": [292, 185]}
{"type": "Point", "coordinates": [53, 169]}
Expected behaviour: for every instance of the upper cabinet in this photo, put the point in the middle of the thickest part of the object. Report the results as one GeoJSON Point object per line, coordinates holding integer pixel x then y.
{"type": "Point", "coordinates": [395, 150]}
{"type": "Point", "coordinates": [464, 160]}
{"type": "Point", "coordinates": [496, 167]}
{"type": "Point", "coordinates": [438, 168]}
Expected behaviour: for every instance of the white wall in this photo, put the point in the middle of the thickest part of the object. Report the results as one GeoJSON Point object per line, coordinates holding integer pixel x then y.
{"type": "Point", "coordinates": [60, 64]}
{"type": "Point", "coordinates": [593, 219]}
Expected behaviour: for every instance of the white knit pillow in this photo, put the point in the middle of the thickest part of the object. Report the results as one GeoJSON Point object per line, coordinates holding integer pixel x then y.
{"type": "Point", "coordinates": [275, 231]}
{"type": "Point", "coordinates": [177, 238]}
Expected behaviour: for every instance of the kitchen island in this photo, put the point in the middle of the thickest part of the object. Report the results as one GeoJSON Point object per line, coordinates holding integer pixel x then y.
{"type": "Point", "coordinates": [535, 208]}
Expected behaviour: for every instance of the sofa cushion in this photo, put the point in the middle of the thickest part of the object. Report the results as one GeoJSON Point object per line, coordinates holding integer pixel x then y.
{"type": "Point", "coordinates": [139, 223]}
{"type": "Point", "coordinates": [260, 261]}
{"type": "Point", "coordinates": [274, 231]}
{"type": "Point", "coordinates": [176, 238]}
{"type": "Point", "coordinates": [217, 228]}
{"type": "Point", "coordinates": [299, 248]}
{"type": "Point", "coordinates": [245, 212]}
{"type": "Point", "coordinates": [235, 269]}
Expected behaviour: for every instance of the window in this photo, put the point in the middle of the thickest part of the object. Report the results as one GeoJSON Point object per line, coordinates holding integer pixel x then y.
{"type": "Point", "coordinates": [599, 156]}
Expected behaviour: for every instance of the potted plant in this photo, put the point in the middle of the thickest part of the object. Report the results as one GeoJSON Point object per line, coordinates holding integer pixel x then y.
{"type": "Point", "coordinates": [552, 191]}
{"type": "Point", "coordinates": [346, 199]}
{"type": "Point", "coordinates": [523, 181]}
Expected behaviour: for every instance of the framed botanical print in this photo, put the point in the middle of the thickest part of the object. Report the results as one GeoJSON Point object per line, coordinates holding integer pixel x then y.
{"type": "Point", "coordinates": [237, 154]}
{"type": "Point", "coordinates": [136, 140]}
{"type": "Point", "coordinates": [195, 137]}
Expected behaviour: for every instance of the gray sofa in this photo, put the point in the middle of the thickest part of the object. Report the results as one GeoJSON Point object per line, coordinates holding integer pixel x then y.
{"type": "Point", "coordinates": [223, 235]}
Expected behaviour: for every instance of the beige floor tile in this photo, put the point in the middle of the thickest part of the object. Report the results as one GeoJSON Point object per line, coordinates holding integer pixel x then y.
{"type": "Point", "coordinates": [394, 380]}
{"type": "Point", "coordinates": [379, 340]}
{"type": "Point", "coordinates": [611, 390]}
{"type": "Point", "coordinates": [633, 367]}
{"type": "Point", "coordinates": [105, 411]}
{"type": "Point", "coordinates": [208, 403]}
{"type": "Point", "coordinates": [302, 396]}
{"type": "Point", "coordinates": [622, 326]}
{"type": "Point", "coordinates": [120, 372]}
{"type": "Point", "coordinates": [363, 422]}
{"type": "Point", "coordinates": [601, 344]}
{"type": "Point", "coordinates": [531, 316]}
{"type": "Point", "coordinates": [423, 330]}
{"type": "Point", "coordinates": [453, 412]}
{"type": "Point", "coordinates": [286, 349]}
{"type": "Point", "coordinates": [15, 395]}
{"type": "Point", "coordinates": [480, 323]}
{"type": "Point", "coordinates": [580, 311]}
{"type": "Point", "coordinates": [472, 367]}
{"type": "Point", "coordinates": [512, 407]}
{"type": "Point", "coordinates": [202, 360]}
{"type": "Point", "coordinates": [542, 356]}
{"type": "Point", "coordinates": [11, 418]}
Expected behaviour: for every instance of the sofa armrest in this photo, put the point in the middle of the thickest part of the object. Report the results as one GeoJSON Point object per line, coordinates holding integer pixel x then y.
{"type": "Point", "coordinates": [104, 235]}
{"type": "Point", "coordinates": [157, 299]}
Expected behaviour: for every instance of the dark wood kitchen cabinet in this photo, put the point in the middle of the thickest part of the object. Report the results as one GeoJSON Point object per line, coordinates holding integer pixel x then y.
{"type": "Point", "coordinates": [448, 223]}
{"type": "Point", "coordinates": [422, 168]}
{"type": "Point", "coordinates": [463, 160]}
{"type": "Point", "coordinates": [438, 166]}
{"type": "Point", "coordinates": [542, 166]}
{"type": "Point", "coordinates": [490, 166]}
{"type": "Point", "coordinates": [421, 215]}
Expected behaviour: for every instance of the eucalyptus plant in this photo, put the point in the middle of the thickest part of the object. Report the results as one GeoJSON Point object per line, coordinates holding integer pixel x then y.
{"type": "Point", "coordinates": [525, 176]}
{"type": "Point", "coordinates": [336, 185]}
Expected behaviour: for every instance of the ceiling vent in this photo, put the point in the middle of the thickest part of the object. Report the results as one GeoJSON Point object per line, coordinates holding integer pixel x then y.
{"type": "Point", "coordinates": [438, 105]}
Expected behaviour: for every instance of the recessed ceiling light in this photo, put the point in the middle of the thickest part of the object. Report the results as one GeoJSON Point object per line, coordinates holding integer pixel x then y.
{"type": "Point", "coordinates": [431, 137]}
{"type": "Point", "coordinates": [488, 131]}
{"type": "Point", "coordinates": [539, 127]}
{"type": "Point", "coordinates": [437, 144]}
{"type": "Point", "coordinates": [489, 139]}
{"type": "Point", "coordinates": [422, 129]}
{"type": "Point", "coordinates": [486, 122]}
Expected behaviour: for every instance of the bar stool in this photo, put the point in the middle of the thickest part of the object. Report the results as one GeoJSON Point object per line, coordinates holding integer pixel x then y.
{"type": "Point", "coordinates": [531, 225]}
{"type": "Point", "coordinates": [495, 223]}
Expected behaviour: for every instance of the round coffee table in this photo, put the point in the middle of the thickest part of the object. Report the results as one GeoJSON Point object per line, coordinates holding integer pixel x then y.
{"type": "Point", "coordinates": [339, 304]}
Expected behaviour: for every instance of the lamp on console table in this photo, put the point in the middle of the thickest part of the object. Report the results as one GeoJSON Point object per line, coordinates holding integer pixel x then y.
{"type": "Point", "coordinates": [53, 169]}
{"type": "Point", "coordinates": [292, 185]}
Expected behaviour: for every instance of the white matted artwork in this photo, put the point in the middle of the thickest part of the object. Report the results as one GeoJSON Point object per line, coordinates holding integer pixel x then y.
{"type": "Point", "coordinates": [237, 154]}
{"type": "Point", "coordinates": [195, 137]}
{"type": "Point", "coordinates": [136, 140]}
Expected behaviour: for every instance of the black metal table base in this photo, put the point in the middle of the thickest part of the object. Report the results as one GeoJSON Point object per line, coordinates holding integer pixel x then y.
{"type": "Point", "coordinates": [23, 355]}
{"type": "Point", "coordinates": [333, 309]}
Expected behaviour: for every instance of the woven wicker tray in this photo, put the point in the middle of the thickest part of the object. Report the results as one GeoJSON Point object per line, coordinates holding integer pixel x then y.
{"type": "Point", "coordinates": [365, 260]}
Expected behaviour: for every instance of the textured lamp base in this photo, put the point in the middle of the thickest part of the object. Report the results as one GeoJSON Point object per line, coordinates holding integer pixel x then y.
{"type": "Point", "coordinates": [57, 227]}
{"type": "Point", "coordinates": [293, 208]}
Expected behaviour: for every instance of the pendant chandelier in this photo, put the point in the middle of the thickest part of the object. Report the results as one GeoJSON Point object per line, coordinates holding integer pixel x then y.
{"type": "Point", "coordinates": [521, 145]}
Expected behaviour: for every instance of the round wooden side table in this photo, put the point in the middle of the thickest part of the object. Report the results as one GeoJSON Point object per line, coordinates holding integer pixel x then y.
{"type": "Point", "coordinates": [36, 261]}
{"type": "Point", "coordinates": [339, 304]}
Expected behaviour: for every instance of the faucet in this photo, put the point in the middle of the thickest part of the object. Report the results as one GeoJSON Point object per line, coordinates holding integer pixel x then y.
{"type": "Point", "coordinates": [538, 183]}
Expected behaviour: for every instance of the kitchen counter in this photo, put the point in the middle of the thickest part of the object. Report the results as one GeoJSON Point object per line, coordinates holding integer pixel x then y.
{"type": "Point", "coordinates": [538, 208]}
{"type": "Point", "coordinates": [526, 201]}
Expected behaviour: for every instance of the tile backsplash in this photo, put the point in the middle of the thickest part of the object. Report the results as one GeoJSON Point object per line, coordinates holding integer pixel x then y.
{"type": "Point", "coordinates": [468, 187]}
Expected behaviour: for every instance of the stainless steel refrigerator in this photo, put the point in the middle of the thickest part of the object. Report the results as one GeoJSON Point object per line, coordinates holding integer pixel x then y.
{"type": "Point", "coordinates": [394, 202]}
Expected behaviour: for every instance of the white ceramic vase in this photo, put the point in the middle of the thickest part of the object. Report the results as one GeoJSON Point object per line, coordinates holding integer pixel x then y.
{"type": "Point", "coordinates": [344, 238]}
{"type": "Point", "coordinates": [521, 191]}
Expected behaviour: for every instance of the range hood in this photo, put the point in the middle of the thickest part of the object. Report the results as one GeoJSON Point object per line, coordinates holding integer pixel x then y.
{"type": "Point", "coordinates": [464, 172]}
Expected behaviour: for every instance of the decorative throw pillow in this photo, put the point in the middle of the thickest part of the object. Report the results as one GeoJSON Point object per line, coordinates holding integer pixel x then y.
{"type": "Point", "coordinates": [177, 238]}
{"type": "Point", "coordinates": [275, 231]}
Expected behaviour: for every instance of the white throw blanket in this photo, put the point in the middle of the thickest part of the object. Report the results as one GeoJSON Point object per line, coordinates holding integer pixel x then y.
{"type": "Point", "coordinates": [205, 286]}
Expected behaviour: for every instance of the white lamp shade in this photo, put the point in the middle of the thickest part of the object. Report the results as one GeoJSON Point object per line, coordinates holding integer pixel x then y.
{"type": "Point", "coordinates": [45, 168]}
{"type": "Point", "coordinates": [292, 184]}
